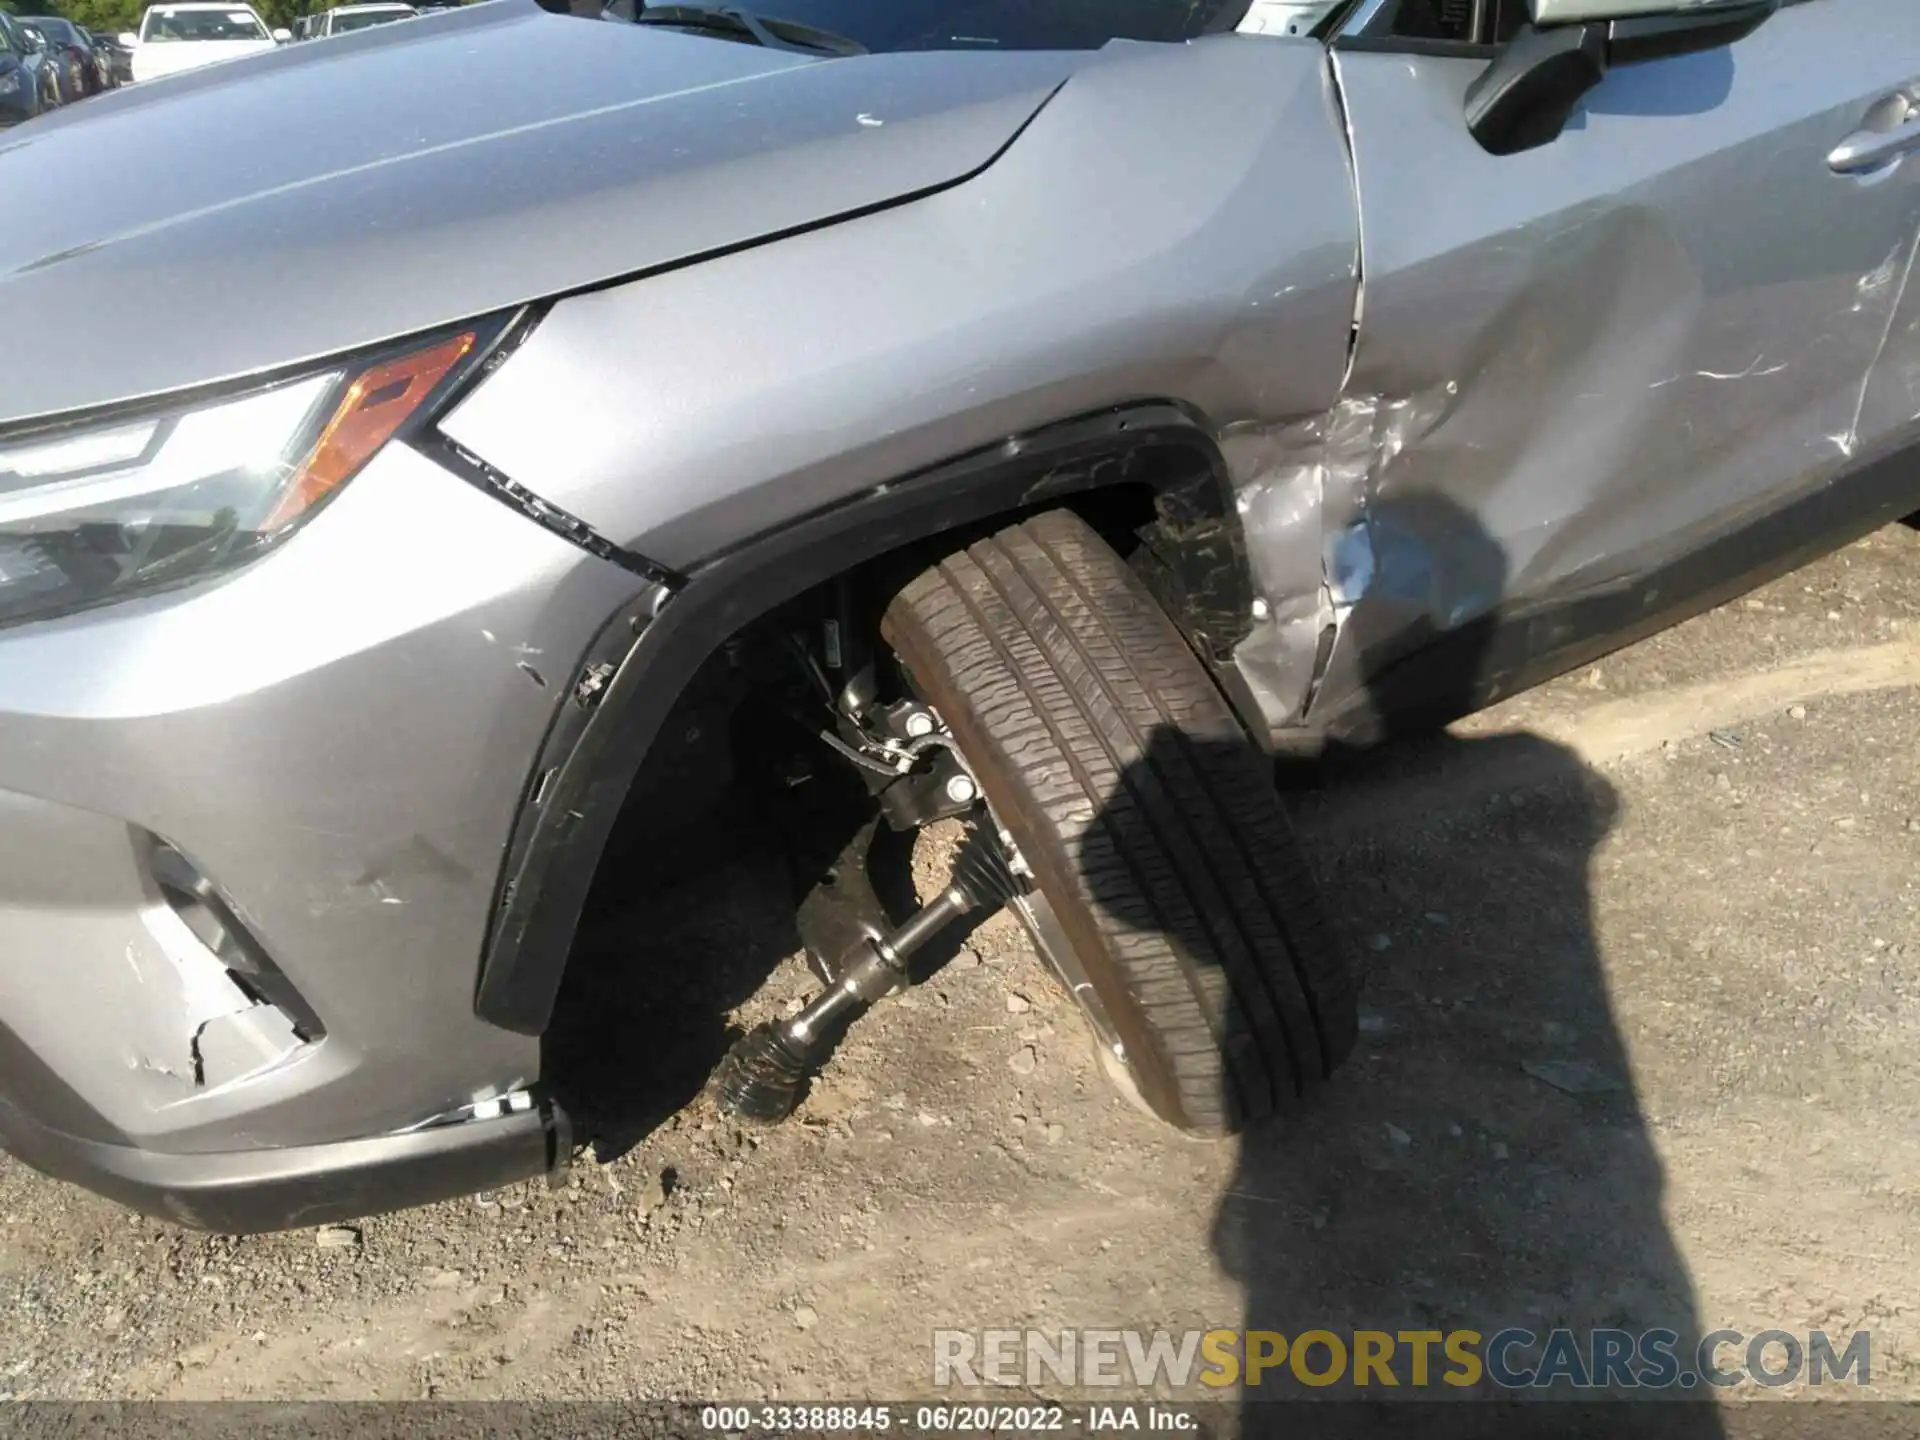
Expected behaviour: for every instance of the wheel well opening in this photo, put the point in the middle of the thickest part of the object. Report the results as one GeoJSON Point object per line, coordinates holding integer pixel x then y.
{"type": "Point", "coordinates": [637, 1027]}
{"type": "Point", "coordinates": [1169, 515]}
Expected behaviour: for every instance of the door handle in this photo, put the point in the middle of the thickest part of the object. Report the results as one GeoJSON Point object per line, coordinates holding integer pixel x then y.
{"type": "Point", "coordinates": [1870, 149]}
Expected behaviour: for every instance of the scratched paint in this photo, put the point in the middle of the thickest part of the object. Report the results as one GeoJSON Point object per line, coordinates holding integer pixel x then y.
{"type": "Point", "coordinates": [1575, 365]}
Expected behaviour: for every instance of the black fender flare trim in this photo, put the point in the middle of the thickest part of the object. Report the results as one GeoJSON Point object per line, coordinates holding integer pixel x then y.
{"type": "Point", "coordinates": [644, 657]}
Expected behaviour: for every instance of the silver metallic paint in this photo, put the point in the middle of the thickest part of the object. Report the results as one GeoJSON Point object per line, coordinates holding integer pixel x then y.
{"type": "Point", "coordinates": [415, 175]}
{"type": "Point", "coordinates": [1582, 362]}
{"type": "Point", "coordinates": [1573, 364]}
{"type": "Point", "coordinates": [1567, 12]}
{"type": "Point", "coordinates": [1570, 364]}
{"type": "Point", "coordinates": [1177, 222]}
{"type": "Point", "coordinates": [338, 735]}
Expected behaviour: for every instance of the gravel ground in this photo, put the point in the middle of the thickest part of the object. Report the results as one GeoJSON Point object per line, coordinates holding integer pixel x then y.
{"type": "Point", "coordinates": [1640, 1045]}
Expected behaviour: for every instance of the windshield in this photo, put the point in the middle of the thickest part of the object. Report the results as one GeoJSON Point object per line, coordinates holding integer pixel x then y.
{"type": "Point", "coordinates": [361, 19]}
{"type": "Point", "coordinates": [1006, 24]}
{"type": "Point", "coordinates": [55, 29]}
{"type": "Point", "coordinates": [201, 25]}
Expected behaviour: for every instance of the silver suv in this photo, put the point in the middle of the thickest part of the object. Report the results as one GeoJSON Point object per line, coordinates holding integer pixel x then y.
{"type": "Point", "coordinates": [1036, 414]}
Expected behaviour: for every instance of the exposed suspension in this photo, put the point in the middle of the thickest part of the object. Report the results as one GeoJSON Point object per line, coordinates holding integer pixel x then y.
{"type": "Point", "coordinates": [766, 1072]}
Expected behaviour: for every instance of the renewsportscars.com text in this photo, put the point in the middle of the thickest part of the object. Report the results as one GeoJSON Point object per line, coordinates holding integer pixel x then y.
{"type": "Point", "coordinates": [1509, 1359]}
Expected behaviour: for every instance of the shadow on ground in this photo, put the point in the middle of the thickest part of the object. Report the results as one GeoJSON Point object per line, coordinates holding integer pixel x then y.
{"type": "Point", "coordinates": [680, 929]}
{"type": "Point", "coordinates": [1481, 1162]}
{"type": "Point", "coordinates": [689, 917]}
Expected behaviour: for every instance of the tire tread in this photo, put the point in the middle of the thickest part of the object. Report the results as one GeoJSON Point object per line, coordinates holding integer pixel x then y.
{"type": "Point", "coordinates": [1148, 815]}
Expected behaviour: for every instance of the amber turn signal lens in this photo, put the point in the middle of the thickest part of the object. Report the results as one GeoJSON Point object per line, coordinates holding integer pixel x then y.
{"type": "Point", "coordinates": [376, 404]}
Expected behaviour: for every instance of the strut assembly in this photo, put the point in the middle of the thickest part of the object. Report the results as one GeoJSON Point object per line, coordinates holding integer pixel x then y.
{"type": "Point", "coordinates": [912, 775]}
{"type": "Point", "coordinates": [766, 1072]}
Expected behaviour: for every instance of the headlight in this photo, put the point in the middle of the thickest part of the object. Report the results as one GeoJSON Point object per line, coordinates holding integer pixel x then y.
{"type": "Point", "coordinates": [95, 511]}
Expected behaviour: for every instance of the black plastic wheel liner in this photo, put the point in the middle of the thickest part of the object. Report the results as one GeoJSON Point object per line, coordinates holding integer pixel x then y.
{"type": "Point", "coordinates": [581, 779]}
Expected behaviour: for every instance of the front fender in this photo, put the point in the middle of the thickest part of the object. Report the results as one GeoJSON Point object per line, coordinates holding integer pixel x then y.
{"type": "Point", "coordinates": [1177, 222]}
{"type": "Point", "coordinates": [636, 670]}
{"type": "Point", "coordinates": [1170, 248]}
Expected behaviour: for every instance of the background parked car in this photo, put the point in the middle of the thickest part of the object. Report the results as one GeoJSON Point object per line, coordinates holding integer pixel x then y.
{"type": "Point", "coordinates": [173, 38]}
{"type": "Point", "coordinates": [115, 56]}
{"type": "Point", "coordinates": [102, 58]}
{"type": "Point", "coordinates": [343, 18]}
{"type": "Point", "coordinates": [65, 69]}
{"type": "Point", "coordinates": [28, 84]}
{"type": "Point", "coordinates": [70, 41]}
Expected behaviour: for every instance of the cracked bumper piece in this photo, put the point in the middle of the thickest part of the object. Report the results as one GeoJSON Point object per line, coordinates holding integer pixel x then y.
{"type": "Point", "coordinates": [250, 838]}
{"type": "Point", "coordinates": [241, 1192]}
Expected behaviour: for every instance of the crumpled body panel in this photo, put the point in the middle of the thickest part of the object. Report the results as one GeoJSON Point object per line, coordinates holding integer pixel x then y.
{"type": "Point", "coordinates": [1581, 364]}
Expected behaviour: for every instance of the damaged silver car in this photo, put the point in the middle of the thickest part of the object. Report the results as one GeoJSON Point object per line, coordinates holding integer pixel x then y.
{"type": "Point", "coordinates": [1038, 415]}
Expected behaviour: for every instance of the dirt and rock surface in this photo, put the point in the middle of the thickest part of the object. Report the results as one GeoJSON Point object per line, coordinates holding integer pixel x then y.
{"type": "Point", "coordinates": [1640, 1046]}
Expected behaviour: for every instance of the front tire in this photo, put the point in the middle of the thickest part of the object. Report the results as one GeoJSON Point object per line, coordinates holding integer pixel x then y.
{"type": "Point", "coordinates": [1196, 939]}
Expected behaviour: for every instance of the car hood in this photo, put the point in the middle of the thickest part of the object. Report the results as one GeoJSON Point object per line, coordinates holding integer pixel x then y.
{"type": "Point", "coordinates": [334, 194]}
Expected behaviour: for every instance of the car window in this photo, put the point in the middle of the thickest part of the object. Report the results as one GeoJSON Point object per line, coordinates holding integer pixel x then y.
{"type": "Point", "coordinates": [164, 25]}
{"type": "Point", "coordinates": [1446, 22]}
{"type": "Point", "coordinates": [362, 19]}
{"type": "Point", "coordinates": [1451, 20]}
{"type": "Point", "coordinates": [1441, 22]}
{"type": "Point", "coordinates": [10, 39]}
{"type": "Point", "coordinates": [898, 25]}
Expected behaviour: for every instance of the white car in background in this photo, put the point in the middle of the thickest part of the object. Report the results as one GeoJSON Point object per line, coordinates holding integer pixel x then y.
{"type": "Point", "coordinates": [186, 36]}
{"type": "Point", "coordinates": [343, 19]}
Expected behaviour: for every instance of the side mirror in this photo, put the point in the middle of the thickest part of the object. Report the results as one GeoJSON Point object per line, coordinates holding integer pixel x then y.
{"type": "Point", "coordinates": [1526, 96]}
{"type": "Point", "coordinates": [129, 39]}
{"type": "Point", "coordinates": [282, 36]}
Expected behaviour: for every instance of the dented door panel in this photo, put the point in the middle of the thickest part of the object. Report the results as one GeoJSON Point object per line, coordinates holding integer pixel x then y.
{"type": "Point", "coordinates": [1889, 413]}
{"type": "Point", "coordinates": [1578, 364]}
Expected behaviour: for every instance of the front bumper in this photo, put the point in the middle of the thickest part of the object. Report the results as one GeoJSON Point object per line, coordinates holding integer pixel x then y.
{"type": "Point", "coordinates": [17, 104]}
{"type": "Point", "coordinates": [240, 1192]}
{"type": "Point", "coordinates": [337, 739]}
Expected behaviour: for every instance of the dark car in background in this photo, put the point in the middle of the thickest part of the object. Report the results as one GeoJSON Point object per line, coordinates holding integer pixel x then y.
{"type": "Point", "coordinates": [28, 82]}
{"type": "Point", "coordinates": [69, 80]}
{"type": "Point", "coordinates": [87, 75]}
{"type": "Point", "coordinates": [110, 78]}
{"type": "Point", "coordinates": [115, 59]}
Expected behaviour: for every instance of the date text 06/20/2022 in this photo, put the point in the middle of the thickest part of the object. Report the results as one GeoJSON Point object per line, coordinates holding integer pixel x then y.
{"type": "Point", "coordinates": [984, 1418]}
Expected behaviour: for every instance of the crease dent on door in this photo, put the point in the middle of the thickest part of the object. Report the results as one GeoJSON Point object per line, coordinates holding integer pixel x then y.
{"type": "Point", "coordinates": [1287, 477]}
{"type": "Point", "coordinates": [1548, 397]}
{"type": "Point", "coordinates": [1305, 492]}
{"type": "Point", "coordinates": [1890, 394]}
